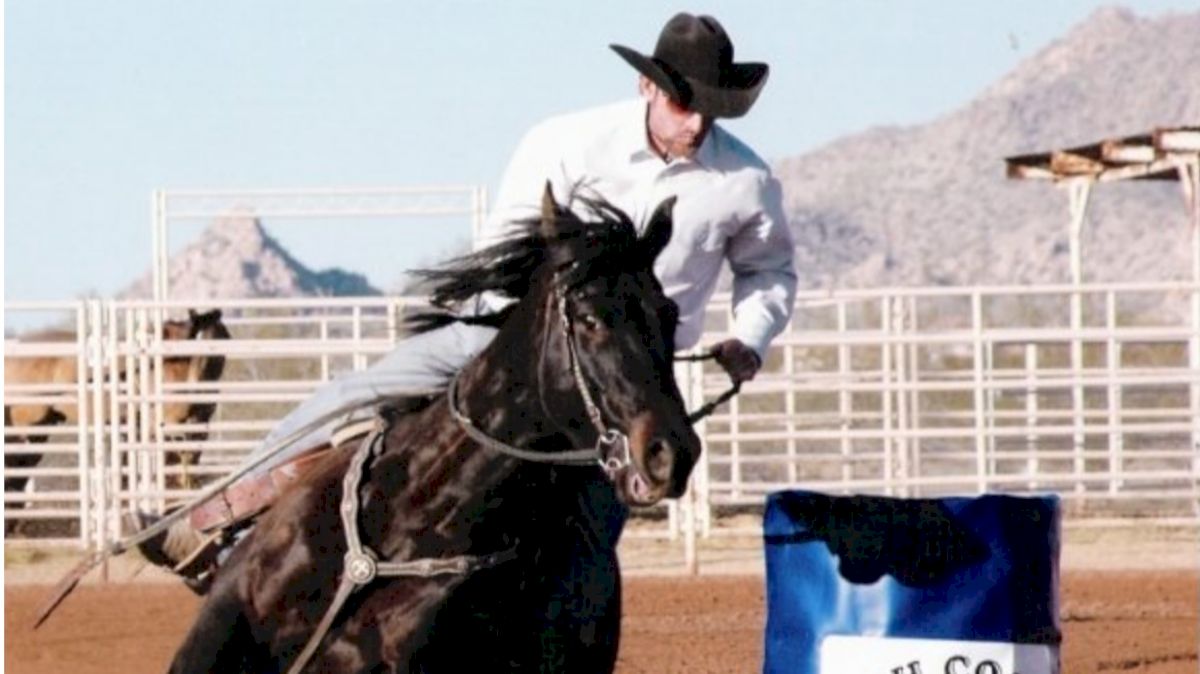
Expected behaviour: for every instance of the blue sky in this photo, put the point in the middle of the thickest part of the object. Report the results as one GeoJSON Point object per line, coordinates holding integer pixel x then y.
{"type": "Point", "coordinates": [107, 101]}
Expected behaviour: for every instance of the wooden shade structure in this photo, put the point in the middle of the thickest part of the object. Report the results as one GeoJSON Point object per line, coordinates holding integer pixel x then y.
{"type": "Point", "coordinates": [1163, 154]}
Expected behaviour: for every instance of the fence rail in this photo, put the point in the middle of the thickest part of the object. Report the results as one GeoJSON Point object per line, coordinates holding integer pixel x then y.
{"type": "Point", "coordinates": [1092, 392]}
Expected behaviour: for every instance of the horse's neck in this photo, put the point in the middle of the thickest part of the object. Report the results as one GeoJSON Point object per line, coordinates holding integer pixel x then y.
{"type": "Point", "coordinates": [499, 389]}
{"type": "Point", "coordinates": [504, 401]}
{"type": "Point", "coordinates": [195, 367]}
{"type": "Point", "coordinates": [451, 481]}
{"type": "Point", "coordinates": [198, 364]}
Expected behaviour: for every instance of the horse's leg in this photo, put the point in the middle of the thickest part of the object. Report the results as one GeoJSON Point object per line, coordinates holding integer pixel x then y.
{"type": "Point", "coordinates": [194, 414]}
{"type": "Point", "coordinates": [220, 639]}
{"type": "Point", "coordinates": [18, 460]}
{"type": "Point", "coordinates": [185, 459]}
{"type": "Point", "coordinates": [576, 591]}
{"type": "Point", "coordinates": [22, 460]}
{"type": "Point", "coordinates": [556, 608]}
{"type": "Point", "coordinates": [17, 483]}
{"type": "Point", "coordinates": [581, 624]}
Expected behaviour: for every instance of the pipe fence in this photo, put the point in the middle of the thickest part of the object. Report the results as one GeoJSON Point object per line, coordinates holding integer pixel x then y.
{"type": "Point", "coordinates": [1091, 392]}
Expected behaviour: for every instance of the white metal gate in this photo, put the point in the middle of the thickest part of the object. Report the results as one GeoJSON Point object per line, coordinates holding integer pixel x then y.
{"type": "Point", "coordinates": [915, 392]}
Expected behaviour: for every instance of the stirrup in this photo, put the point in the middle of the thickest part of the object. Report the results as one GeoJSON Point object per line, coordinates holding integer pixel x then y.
{"type": "Point", "coordinates": [181, 550]}
{"type": "Point", "coordinates": [201, 584]}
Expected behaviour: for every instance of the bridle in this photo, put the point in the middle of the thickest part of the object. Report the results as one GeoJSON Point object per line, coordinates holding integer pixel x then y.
{"type": "Point", "coordinates": [607, 437]}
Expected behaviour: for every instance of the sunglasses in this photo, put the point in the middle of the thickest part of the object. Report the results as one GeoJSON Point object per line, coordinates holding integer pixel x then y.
{"type": "Point", "coordinates": [675, 106]}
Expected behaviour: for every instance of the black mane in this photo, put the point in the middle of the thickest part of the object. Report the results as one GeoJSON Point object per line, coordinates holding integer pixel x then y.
{"type": "Point", "coordinates": [606, 239]}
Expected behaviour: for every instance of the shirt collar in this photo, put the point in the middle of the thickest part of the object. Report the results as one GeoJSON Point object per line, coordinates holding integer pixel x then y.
{"type": "Point", "coordinates": [707, 152]}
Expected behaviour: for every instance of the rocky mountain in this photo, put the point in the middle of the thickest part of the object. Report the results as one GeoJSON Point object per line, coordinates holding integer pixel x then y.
{"type": "Point", "coordinates": [236, 258]}
{"type": "Point", "coordinates": [930, 204]}
{"type": "Point", "coordinates": [919, 205]}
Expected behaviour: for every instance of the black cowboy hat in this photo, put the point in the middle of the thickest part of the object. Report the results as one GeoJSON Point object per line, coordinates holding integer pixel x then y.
{"type": "Point", "coordinates": [693, 64]}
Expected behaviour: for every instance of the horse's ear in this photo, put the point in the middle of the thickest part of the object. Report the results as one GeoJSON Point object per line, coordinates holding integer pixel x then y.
{"type": "Point", "coordinates": [658, 231]}
{"type": "Point", "coordinates": [192, 315]}
{"type": "Point", "coordinates": [549, 214]}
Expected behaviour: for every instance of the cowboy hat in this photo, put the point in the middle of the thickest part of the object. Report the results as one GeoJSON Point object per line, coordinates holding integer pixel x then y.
{"type": "Point", "coordinates": [693, 64]}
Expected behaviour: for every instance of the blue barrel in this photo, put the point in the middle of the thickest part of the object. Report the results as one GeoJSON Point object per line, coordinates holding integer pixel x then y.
{"type": "Point", "coordinates": [911, 586]}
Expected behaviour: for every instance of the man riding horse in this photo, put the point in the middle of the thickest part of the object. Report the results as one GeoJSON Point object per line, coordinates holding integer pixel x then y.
{"type": "Point", "coordinates": [634, 154]}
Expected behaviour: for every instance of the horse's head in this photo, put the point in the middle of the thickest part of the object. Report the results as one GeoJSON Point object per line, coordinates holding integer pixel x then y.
{"type": "Point", "coordinates": [606, 361]}
{"type": "Point", "coordinates": [206, 325]}
{"type": "Point", "coordinates": [198, 326]}
{"type": "Point", "coordinates": [590, 342]}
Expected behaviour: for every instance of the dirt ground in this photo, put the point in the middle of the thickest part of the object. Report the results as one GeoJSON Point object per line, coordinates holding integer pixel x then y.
{"type": "Point", "coordinates": [1114, 621]}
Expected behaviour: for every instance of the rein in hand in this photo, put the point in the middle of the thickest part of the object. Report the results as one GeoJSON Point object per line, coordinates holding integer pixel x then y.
{"type": "Point", "coordinates": [711, 406]}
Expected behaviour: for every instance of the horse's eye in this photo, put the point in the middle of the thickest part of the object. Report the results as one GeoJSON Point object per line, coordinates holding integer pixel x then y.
{"type": "Point", "coordinates": [590, 321]}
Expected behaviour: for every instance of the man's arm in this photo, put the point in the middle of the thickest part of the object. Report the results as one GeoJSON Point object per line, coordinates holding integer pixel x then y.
{"type": "Point", "coordinates": [764, 280]}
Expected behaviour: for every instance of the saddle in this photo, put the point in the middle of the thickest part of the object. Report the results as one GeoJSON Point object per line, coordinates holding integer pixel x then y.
{"type": "Point", "coordinates": [246, 498]}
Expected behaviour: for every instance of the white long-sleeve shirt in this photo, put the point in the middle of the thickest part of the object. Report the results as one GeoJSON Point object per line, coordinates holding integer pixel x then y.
{"type": "Point", "coordinates": [729, 208]}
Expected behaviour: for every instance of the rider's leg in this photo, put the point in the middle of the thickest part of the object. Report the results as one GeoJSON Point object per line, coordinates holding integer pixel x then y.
{"type": "Point", "coordinates": [417, 365]}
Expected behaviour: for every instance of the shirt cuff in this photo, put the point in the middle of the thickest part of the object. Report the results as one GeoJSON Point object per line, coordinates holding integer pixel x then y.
{"type": "Point", "coordinates": [756, 335]}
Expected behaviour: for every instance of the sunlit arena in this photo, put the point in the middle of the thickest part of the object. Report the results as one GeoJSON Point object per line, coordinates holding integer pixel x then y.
{"type": "Point", "coordinates": [631, 338]}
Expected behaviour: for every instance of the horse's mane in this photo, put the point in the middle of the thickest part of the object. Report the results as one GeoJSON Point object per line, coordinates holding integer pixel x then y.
{"type": "Point", "coordinates": [604, 239]}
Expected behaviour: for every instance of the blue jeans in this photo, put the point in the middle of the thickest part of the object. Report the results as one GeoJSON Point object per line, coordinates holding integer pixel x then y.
{"type": "Point", "coordinates": [420, 364]}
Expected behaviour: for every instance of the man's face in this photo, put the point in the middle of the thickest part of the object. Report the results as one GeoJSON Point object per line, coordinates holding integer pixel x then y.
{"type": "Point", "coordinates": [675, 132]}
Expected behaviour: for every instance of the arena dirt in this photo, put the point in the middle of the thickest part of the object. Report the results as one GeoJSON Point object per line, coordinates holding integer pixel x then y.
{"type": "Point", "coordinates": [1114, 621]}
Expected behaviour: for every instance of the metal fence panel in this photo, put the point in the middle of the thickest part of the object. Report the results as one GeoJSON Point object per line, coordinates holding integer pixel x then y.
{"type": "Point", "coordinates": [912, 392]}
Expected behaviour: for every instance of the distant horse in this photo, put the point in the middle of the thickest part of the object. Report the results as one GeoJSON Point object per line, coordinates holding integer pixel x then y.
{"type": "Point", "coordinates": [63, 370]}
{"type": "Point", "coordinates": [583, 359]}
{"type": "Point", "coordinates": [200, 368]}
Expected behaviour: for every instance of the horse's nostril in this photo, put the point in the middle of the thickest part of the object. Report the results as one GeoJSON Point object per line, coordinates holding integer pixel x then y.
{"type": "Point", "coordinates": [659, 460]}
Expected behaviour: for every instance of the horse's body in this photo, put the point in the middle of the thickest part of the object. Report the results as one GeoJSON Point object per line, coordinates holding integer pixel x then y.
{"type": "Point", "coordinates": [601, 329]}
{"type": "Point", "coordinates": [63, 370]}
{"type": "Point", "coordinates": [556, 608]}
{"type": "Point", "coordinates": [42, 370]}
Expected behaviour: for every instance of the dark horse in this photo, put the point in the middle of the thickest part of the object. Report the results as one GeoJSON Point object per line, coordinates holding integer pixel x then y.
{"type": "Point", "coordinates": [63, 370]}
{"type": "Point", "coordinates": [592, 330]}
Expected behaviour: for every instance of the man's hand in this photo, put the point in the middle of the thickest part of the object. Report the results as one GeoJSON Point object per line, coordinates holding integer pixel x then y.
{"type": "Point", "coordinates": [739, 360]}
